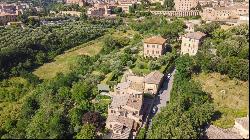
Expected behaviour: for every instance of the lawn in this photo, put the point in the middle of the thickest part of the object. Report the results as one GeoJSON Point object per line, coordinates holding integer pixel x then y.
{"type": "Point", "coordinates": [63, 62]}
{"type": "Point", "coordinates": [230, 97]}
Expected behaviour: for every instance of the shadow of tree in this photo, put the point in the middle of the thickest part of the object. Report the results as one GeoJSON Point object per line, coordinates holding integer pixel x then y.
{"type": "Point", "coordinates": [217, 114]}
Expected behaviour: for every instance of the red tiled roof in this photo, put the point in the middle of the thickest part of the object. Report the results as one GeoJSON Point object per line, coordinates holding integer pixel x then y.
{"type": "Point", "coordinates": [155, 40]}
{"type": "Point", "coordinates": [195, 35]}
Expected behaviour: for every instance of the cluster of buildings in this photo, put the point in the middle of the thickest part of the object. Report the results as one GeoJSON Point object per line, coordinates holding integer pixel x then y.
{"type": "Point", "coordinates": [212, 10]}
{"type": "Point", "coordinates": [234, 12]}
{"type": "Point", "coordinates": [101, 10]}
{"type": "Point", "coordinates": [182, 8]}
{"type": "Point", "coordinates": [106, 8]}
{"type": "Point", "coordinates": [155, 46]}
{"type": "Point", "coordinates": [9, 12]}
{"type": "Point", "coordinates": [125, 113]}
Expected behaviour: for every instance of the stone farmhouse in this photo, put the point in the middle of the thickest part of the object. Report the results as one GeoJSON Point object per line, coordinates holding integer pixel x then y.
{"type": "Point", "coordinates": [185, 5]}
{"type": "Point", "coordinates": [154, 46]}
{"type": "Point", "coordinates": [191, 42]}
{"type": "Point", "coordinates": [125, 4]}
{"type": "Point", "coordinates": [101, 10]}
{"type": "Point", "coordinates": [126, 110]}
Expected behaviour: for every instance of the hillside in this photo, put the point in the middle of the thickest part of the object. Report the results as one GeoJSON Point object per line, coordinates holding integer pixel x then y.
{"type": "Point", "coordinates": [63, 62]}
{"type": "Point", "coordinates": [230, 97]}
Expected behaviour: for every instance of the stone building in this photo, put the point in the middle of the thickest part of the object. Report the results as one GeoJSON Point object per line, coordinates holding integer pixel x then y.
{"type": "Point", "coordinates": [154, 46]}
{"type": "Point", "coordinates": [71, 13]}
{"type": "Point", "coordinates": [101, 10]}
{"type": "Point", "coordinates": [152, 82]}
{"type": "Point", "coordinates": [9, 12]}
{"type": "Point", "coordinates": [191, 42]}
{"type": "Point", "coordinates": [185, 5]}
{"type": "Point", "coordinates": [5, 18]}
{"type": "Point", "coordinates": [126, 109]}
{"type": "Point", "coordinates": [224, 13]}
{"type": "Point", "coordinates": [177, 13]}
{"type": "Point", "coordinates": [79, 2]}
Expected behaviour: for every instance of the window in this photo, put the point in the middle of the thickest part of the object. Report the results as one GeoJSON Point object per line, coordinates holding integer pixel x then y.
{"type": "Point", "coordinates": [153, 46]}
{"type": "Point", "coordinates": [188, 45]}
{"type": "Point", "coordinates": [153, 52]}
{"type": "Point", "coordinates": [111, 111]}
{"type": "Point", "coordinates": [157, 52]}
{"type": "Point", "coordinates": [147, 46]}
{"type": "Point", "coordinates": [147, 51]}
{"type": "Point", "coordinates": [110, 126]}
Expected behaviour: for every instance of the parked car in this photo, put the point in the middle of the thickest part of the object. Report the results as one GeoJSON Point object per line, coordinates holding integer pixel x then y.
{"type": "Point", "coordinates": [154, 110]}
{"type": "Point", "coordinates": [169, 75]}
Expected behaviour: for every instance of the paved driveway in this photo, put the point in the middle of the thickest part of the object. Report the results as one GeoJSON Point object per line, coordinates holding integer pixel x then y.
{"type": "Point", "coordinates": [161, 99]}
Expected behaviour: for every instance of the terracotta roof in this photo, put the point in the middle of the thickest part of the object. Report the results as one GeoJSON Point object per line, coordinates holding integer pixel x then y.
{"type": "Point", "coordinates": [153, 77]}
{"type": "Point", "coordinates": [155, 40]}
{"type": "Point", "coordinates": [195, 35]}
{"type": "Point", "coordinates": [135, 103]}
{"type": "Point", "coordinates": [244, 122]}
{"type": "Point", "coordinates": [121, 120]}
{"type": "Point", "coordinates": [139, 87]}
{"type": "Point", "coordinates": [123, 85]}
{"type": "Point", "coordinates": [135, 79]}
{"type": "Point", "coordinates": [119, 100]}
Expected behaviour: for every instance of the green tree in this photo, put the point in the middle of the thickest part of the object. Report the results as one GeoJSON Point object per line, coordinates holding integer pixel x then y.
{"type": "Point", "coordinates": [169, 4]}
{"type": "Point", "coordinates": [87, 132]}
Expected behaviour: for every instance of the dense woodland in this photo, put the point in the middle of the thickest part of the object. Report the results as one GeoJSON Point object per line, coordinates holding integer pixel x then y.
{"type": "Point", "coordinates": [232, 51]}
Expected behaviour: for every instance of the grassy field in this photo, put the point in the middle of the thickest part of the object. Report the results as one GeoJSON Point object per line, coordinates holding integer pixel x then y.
{"type": "Point", "coordinates": [63, 62]}
{"type": "Point", "coordinates": [230, 97]}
